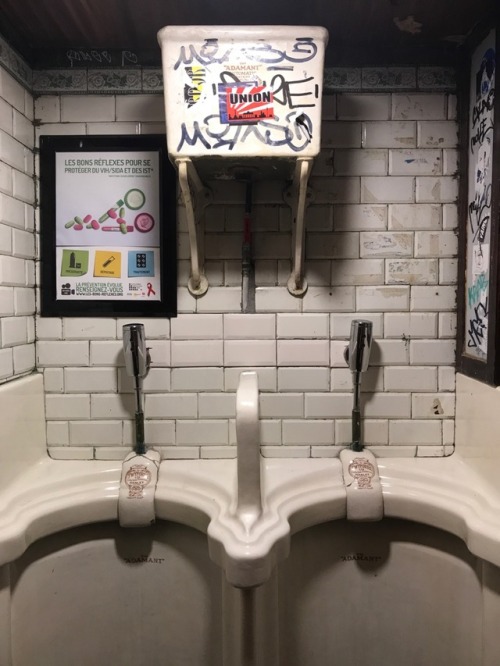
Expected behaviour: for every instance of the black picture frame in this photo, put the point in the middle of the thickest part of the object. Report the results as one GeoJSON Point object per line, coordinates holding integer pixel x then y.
{"type": "Point", "coordinates": [60, 300]}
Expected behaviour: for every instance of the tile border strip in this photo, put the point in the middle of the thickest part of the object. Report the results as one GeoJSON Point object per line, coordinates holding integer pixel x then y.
{"type": "Point", "coordinates": [133, 80]}
{"type": "Point", "coordinates": [336, 79]}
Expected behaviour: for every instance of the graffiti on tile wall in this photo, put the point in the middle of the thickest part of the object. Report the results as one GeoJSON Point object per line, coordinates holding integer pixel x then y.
{"type": "Point", "coordinates": [97, 57]}
{"type": "Point", "coordinates": [251, 93]}
{"type": "Point", "coordinates": [479, 205]}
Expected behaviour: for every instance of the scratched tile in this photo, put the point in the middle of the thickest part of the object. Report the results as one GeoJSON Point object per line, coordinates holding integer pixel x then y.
{"type": "Point", "coordinates": [389, 78]}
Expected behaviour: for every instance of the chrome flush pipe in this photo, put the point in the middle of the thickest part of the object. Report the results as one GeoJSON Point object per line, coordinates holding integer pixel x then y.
{"type": "Point", "coordinates": [357, 356]}
{"type": "Point", "coordinates": [137, 362]}
{"type": "Point", "coordinates": [247, 268]}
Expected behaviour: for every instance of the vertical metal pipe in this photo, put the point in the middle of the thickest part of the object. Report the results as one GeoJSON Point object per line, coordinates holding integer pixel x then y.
{"type": "Point", "coordinates": [137, 366]}
{"type": "Point", "coordinates": [357, 355]}
{"type": "Point", "coordinates": [356, 413]}
{"type": "Point", "coordinates": [247, 273]}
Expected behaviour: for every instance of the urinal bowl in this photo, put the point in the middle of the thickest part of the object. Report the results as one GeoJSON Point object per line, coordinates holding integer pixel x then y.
{"type": "Point", "coordinates": [421, 587]}
{"type": "Point", "coordinates": [394, 592]}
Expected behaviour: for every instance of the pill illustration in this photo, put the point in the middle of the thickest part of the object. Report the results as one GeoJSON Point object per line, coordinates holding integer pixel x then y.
{"type": "Point", "coordinates": [119, 203]}
{"type": "Point", "coordinates": [120, 220]}
{"type": "Point", "coordinates": [128, 227]}
{"type": "Point", "coordinates": [78, 227]}
{"type": "Point", "coordinates": [88, 226]}
{"type": "Point", "coordinates": [123, 228]}
{"type": "Point", "coordinates": [95, 224]}
{"type": "Point", "coordinates": [69, 224]}
{"type": "Point", "coordinates": [87, 219]}
{"type": "Point", "coordinates": [78, 220]}
{"type": "Point", "coordinates": [122, 212]}
{"type": "Point", "coordinates": [112, 213]}
{"type": "Point", "coordinates": [104, 217]}
{"type": "Point", "coordinates": [144, 222]}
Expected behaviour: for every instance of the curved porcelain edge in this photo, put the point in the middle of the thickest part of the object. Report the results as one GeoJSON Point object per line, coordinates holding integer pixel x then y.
{"type": "Point", "coordinates": [447, 493]}
{"type": "Point", "coordinates": [299, 494]}
{"type": "Point", "coordinates": [452, 494]}
{"type": "Point", "coordinates": [53, 495]}
{"type": "Point", "coordinates": [312, 496]}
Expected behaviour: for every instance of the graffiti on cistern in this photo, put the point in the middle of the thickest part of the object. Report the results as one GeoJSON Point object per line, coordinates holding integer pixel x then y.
{"type": "Point", "coordinates": [247, 94]}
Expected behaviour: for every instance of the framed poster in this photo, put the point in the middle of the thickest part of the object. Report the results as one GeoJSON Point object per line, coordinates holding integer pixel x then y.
{"type": "Point", "coordinates": [107, 226]}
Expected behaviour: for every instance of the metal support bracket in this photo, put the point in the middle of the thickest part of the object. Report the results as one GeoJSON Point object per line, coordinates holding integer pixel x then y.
{"type": "Point", "coordinates": [298, 197]}
{"type": "Point", "coordinates": [195, 197]}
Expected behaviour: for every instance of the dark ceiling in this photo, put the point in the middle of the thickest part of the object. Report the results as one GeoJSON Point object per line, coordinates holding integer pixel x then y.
{"type": "Point", "coordinates": [362, 32]}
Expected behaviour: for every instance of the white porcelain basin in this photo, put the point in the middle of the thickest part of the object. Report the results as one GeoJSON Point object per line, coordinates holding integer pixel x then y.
{"type": "Point", "coordinates": [447, 493]}
{"type": "Point", "coordinates": [41, 496]}
{"type": "Point", "coordinates": [277, 610]}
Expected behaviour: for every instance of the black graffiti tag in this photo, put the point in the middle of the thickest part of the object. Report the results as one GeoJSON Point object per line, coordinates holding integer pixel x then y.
{"type": "Point", "coordinates": [485, 128]}
{"type": "Point", "coordinates": [479, 214]}
{"type": "Point", "coordinates": [214, 135]}
{"type": "Point", "coordinates": [285, 92]}
{"type": "Point", "coordinates": [482, 107]}
{"type": "Point", "coordinates": [303, 50]}
{"type": "Point", "coordinates": [192, 140]}
{"type": "Point", "coordinates": [478, 326]}
{"type": "Point", "coordinates": [208, 53]}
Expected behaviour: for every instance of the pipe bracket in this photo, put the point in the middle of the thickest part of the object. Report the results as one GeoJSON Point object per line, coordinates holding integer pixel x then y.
{"type": "Point", "coordinates": [195, 197]}
{"type": "Point", "coordinates": [298, 197]}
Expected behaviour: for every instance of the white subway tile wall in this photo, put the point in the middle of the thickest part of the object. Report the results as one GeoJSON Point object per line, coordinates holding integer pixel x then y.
{"type": "Point", "coordinates": [17, 237]}
{"type": "Point", "coordinates": [380, 245]}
